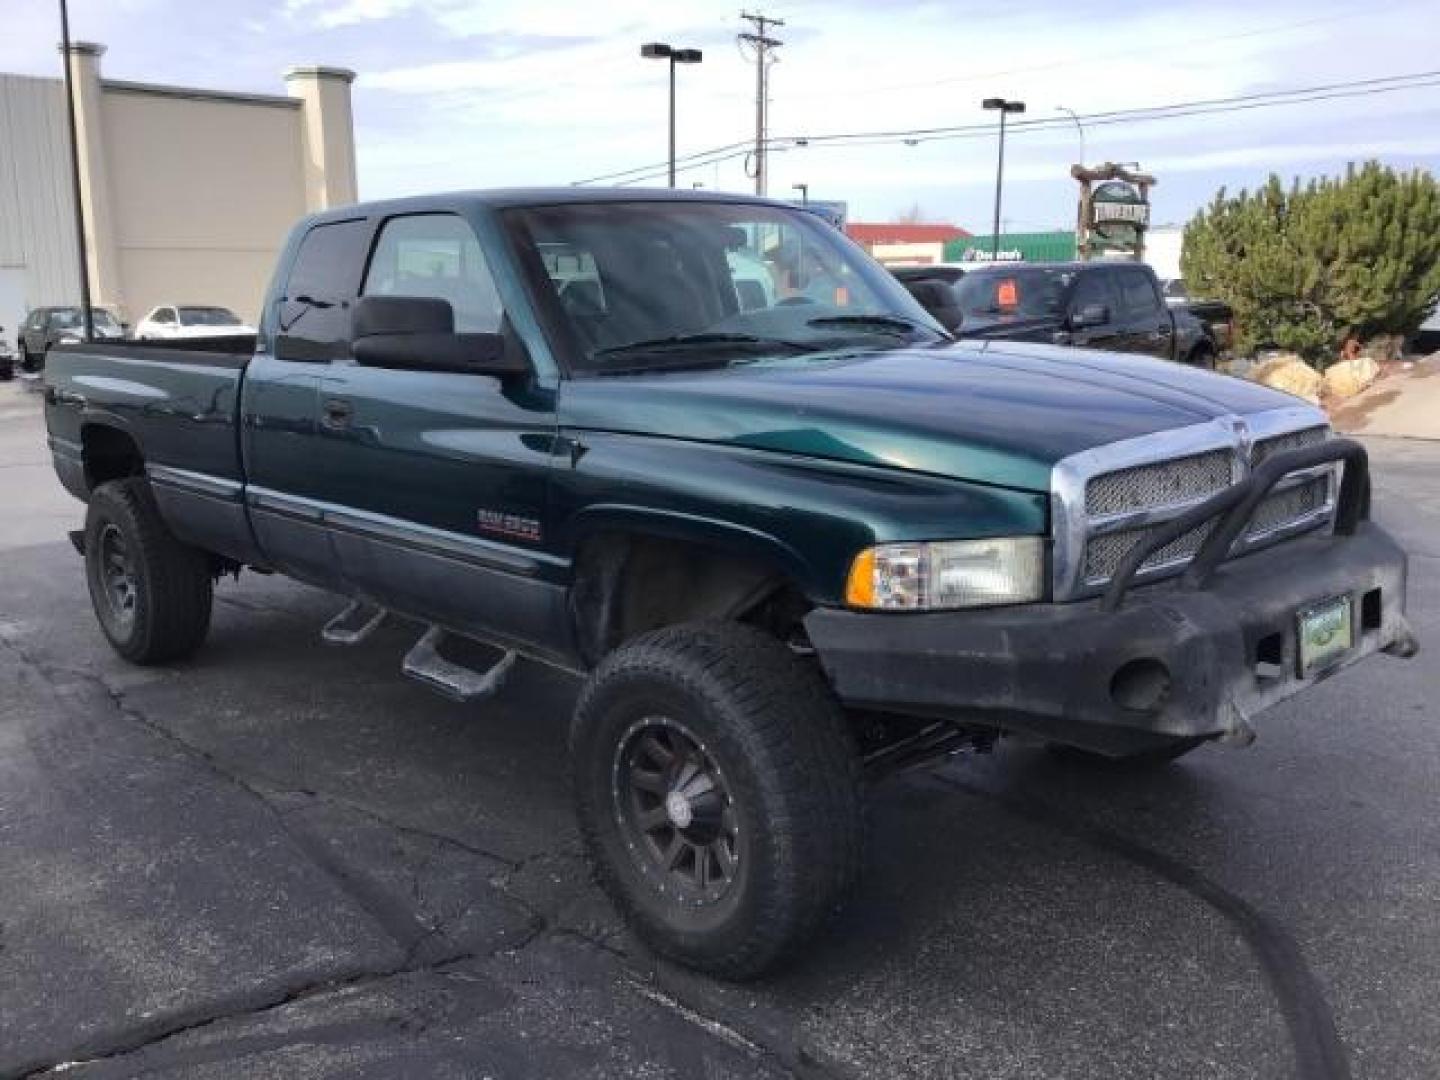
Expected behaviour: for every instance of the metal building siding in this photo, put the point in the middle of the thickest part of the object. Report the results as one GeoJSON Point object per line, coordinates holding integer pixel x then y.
{"type": "Point", "coordinates": [37, 217]}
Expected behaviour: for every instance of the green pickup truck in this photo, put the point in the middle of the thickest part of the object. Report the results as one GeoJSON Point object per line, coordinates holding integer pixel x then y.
{"type": "Point", "coordinates": [701, 451]}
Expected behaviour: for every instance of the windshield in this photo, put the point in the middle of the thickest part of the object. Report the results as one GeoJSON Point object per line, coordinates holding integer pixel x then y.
{"type": "Point", "coordinates": [651, 285]}
{"type": "Point", "coordinates": [1017, 292]}
{"type": "Point", "coordinates": [208, 316]}
{"type": "Point", "coordinates": [69, 318]}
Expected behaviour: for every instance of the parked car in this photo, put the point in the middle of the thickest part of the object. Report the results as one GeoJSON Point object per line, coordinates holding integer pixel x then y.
{"type": "Point", "coordinates": [936, 287]}
{"type": "Point", "coordinates": [7, 358]}
{"type": "Point", "coordinates": [1427, 338]}
{"type": "Point", "coordinates": [169, 321]}
{"type": "Point", "coordinates": [46, 327]}
{"type": "Point", "coordinates": [1096, 305]}
{"type": "Point", "coordinates": [788, 547]}
{"type": "Point", "coordinates": [1217, 315]}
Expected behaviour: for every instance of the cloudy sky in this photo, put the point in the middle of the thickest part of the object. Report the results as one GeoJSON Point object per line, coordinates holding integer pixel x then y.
{"type": "Point", "coordinates": [478, 93]}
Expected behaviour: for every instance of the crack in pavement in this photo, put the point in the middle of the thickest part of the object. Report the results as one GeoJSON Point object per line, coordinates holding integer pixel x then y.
{"type": "Point", "coordinates": [1319, 1052]}
{"type": "Point", "coordinates": [402, 924]}
{"type": "Point", "coordinates": [151, 1035]}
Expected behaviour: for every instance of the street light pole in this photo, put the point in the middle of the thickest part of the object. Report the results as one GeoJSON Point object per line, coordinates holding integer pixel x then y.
{"type": "Point", "coordinates": [1004, 108]}
{"type": "Point", "coordinates": [1078, 127]}
{"type": "Point", "coordinates": [658, 50]}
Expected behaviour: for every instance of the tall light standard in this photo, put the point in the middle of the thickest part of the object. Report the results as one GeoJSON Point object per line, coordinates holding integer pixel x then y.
{"type": "Point", "coordinates": [804, 190]}
{"type": "Point", "coordinates": [657, 50]}
{"type": "Point", "coordinates": [1005, 108]}
{"type": "Point", "coordinates": [1078, 127]}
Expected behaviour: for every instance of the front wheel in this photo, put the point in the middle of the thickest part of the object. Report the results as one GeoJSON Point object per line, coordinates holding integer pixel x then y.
{"type": "Point", "coordinates": [151, 593]}
{"type": "Point", "coordinates": [718, 793]}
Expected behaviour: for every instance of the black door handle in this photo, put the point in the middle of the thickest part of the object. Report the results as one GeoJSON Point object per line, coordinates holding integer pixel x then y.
{"type": "Point", "coordinates": [336, 413]}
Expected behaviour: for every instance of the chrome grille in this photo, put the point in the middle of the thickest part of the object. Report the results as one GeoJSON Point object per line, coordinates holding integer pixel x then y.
{"type": "Point", "coordinates": [1283, 507]}
{"type": "Point", "coordinates": [1103, 553]}
{"type": "Point", "coordinates": [1109, 499]}
{"type": "Point", "coordinates": [1293, 440]}
{"type": "Point", "coordinates": [1165, 483]}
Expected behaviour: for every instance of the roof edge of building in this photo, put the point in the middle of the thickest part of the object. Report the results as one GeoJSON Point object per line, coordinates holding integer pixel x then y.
{"type": "Point", "coordinates": [196, 94]}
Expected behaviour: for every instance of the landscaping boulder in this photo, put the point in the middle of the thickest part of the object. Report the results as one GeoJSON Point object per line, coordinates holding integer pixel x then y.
{"type": "Point", "coordinates": [1349, 377]}
{"type": "Point", "coordinates": [1289, 373]}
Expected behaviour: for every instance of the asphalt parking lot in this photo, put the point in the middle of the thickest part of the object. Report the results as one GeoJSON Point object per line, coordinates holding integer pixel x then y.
{"type": "Point", "coordinates": [282, 859]}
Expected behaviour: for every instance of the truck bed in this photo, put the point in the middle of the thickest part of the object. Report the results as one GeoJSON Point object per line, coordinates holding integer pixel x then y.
{"type": "Point", "coordinates": [180, 404]}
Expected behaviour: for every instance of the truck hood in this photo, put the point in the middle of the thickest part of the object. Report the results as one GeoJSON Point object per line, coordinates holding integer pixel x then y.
{"type": "Point", "coordinates": [996, 412]}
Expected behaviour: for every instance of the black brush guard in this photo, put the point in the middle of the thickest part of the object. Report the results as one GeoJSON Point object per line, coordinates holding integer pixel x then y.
{"type": "Point", "coordinates": [1237, 504]}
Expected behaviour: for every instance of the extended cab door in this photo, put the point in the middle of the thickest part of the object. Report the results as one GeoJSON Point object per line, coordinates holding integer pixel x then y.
{"type": "Point", "coordinates": [436, 481]}
{"type": "Point", "coordinates": [1092, 310]}
{"type": "Point", "coordinates": [1147, 325]}
{"type": "Point", "coordinates": [306, 327]}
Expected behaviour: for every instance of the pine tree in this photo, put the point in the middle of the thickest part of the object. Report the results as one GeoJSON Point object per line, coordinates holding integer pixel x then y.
{"type": "Point", "coordinates": [1306, 269]}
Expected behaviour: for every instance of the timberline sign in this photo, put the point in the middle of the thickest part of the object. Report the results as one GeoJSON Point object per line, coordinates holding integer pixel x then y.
{"type": "Point", "coordinates": [1114, 210]}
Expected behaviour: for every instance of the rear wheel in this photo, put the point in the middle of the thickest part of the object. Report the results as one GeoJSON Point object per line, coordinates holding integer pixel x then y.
{"type": "Point", "coordinates": [22, 358]}
{"type": "Point", "coordinates": [718, 794]}
{"type": "Point", "coordinates": [151, 593]}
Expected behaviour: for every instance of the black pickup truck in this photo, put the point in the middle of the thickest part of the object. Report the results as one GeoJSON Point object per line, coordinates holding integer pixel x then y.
{"type": "Point", "coordinates": [702, 451]}
{"type": "Point", "coordinates": [1115, 306]}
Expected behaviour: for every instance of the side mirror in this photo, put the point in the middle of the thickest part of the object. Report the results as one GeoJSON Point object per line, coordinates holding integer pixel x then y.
{"type": "Point", "coordinates": [417, 333]}
{"type": "Point", "coordinates": [1089, 315]}
{"type": "Point", "coordinates": [937, 298]}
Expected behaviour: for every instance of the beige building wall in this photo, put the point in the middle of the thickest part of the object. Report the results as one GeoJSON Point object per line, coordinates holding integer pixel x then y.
{"type": "Point", "coordinates": [203, 191]}
{"type": "Point", "coordinates": [188, 193]}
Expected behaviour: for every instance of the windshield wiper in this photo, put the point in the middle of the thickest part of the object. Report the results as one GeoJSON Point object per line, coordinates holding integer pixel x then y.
{"type": "Point", "coordinates": [880, 322]}
{"type": "Point", "coordinates": [708, 338]}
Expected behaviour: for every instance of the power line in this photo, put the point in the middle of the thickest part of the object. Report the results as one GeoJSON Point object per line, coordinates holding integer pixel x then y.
{"type": "Point", "coordinates": [1176, 110]}
{"type": "Point", "coordinates": [1099, 117]}
{"type": "Point", "coordinates": [746, 143]}
{"type": "Point", "coordinates": [763, 46]}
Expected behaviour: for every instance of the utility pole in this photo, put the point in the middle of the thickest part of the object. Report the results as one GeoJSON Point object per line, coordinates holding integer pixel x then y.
{"type": "Point", "coordinates": [763, 43]}
{"type": "Point", "coordinates": [85, 317]}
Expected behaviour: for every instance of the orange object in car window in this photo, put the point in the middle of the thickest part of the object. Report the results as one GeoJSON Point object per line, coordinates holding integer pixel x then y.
{"type": "Point", "coordinates": [842, 296]}
{"type": "Point", "coordinates": [1007, 294]}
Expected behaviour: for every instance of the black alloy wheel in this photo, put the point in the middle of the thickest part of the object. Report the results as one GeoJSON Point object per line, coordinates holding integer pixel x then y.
{"type": "Point", "coordinates": [676, 811]}
{"type": "Point", "coordinates": [119, 583]}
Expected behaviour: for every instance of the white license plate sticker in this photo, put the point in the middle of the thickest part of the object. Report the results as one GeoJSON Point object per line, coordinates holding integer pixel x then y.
{"type": "Point", "coordinates": [1326, 632]}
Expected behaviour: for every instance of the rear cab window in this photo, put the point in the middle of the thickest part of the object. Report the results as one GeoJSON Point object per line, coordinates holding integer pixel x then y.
{"type": "Point", "coordinates": [1137, 293]}
{"type": "Point", "coordinates": [313, 321]}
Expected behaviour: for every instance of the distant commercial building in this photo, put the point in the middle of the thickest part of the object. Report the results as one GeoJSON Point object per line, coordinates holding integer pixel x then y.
{"type": "Point", "coordinates": [1057, 246]}
{"type": "Point", "coordinates": [187, 193]}
{"type": "Point", "coordinates": [905, 243]}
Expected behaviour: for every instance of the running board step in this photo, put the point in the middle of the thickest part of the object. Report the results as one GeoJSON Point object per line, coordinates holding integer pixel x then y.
{"type": "Point", "coordinates": [456, 681]}
{"type": "Point", "coordinates": [347, 628]}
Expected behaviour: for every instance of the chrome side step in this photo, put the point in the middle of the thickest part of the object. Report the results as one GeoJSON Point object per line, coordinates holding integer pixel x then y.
{"type": "Point", "coordinates": [342, 629]}
{"type": "Point", "coordinates": [456, 681]}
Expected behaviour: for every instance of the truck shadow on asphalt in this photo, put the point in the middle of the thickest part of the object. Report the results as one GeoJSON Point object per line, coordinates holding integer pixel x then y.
{"type": "Point", "coordinates": [994, 892]}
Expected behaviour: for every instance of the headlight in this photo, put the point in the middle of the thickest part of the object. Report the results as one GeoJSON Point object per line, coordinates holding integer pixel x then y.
{"type": "Point", "coordinates": [948, 574]}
